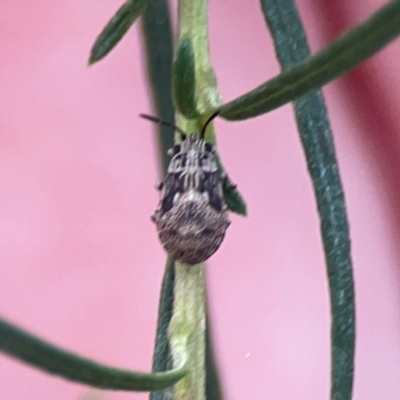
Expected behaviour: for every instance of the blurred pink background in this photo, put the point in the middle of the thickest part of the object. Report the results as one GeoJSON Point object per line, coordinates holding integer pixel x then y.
{"type": "Point", "coordinates": [80, 261]}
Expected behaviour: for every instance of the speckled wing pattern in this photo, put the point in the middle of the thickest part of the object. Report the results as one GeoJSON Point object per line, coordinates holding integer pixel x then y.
{"type": "Point", "coordinates": [192, 216]}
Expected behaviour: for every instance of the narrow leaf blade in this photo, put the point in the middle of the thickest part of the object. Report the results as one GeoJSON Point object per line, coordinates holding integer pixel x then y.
{"type": "Point", "coordinates": [341, 55]}
{"type": "Point", "coordinates": [157, 43]}
{"type": "Point", "coordinates": [162, 357]}
{"type": "Point", "coordinates": [49, 358]}
{"type": "Point", "coordinates": [233, 199]}
{"type": "Point", "coordinates": [116, 28]}
{"type": "Point", "coordinates": [316, 136]}
{"type": "Point", "coordinates": [183, 73]}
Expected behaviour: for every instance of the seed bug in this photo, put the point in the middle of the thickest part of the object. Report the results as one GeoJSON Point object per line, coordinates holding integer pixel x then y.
{"type": "Point", "coordinates": [192, 216]}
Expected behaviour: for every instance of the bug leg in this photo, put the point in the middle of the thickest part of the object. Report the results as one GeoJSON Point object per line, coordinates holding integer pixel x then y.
{"type": "Point", "coordinates": [156, 215]}
{"type": "Point", "coordinates": [159, 185]}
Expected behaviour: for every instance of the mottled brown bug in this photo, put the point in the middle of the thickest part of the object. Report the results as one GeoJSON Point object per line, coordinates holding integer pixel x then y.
{"type": "Point", "coordinates": [192, 216]}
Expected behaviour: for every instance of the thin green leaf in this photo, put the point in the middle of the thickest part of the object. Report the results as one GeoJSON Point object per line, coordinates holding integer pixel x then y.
{"type": "Point", "coordinates": [162, 358]}
{"type": "Point", "coordinates": [183, 78]}
{"type": "Point", "coordinates": [338, 57]}
{"type": "Point", "coordinates": [47, 357]}
{"type": "Point", "coordinates": [157, 42]}
{"type": "Point", "coordinates": [234, 200]}
{"type": "Point", "coordinates": [315, 133]}
{"type": "Point", "coordinates": [232, 197]}
{"type": "Point", "coordinates": [116, 28]}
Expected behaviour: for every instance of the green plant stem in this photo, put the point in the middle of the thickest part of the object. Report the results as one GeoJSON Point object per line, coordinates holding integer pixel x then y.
{"type": "Point", "coordinates": [47, 357]}
{"type": "Point", "coordinates": [187, 330]}
{"type": "Point", "coordinates": [338, 57]}
{"type": "Point", "coordinates": [315, 133]}
{"type": "Point", "coordinates": [157, 40]}
{"type": "Point", "coordinates": [193, 24]}
{"type": "Point", "coordinates": [187, 327]}
{"type": "Point", "coordinates": [158, 46]}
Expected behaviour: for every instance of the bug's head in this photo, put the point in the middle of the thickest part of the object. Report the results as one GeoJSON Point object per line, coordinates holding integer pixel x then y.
{"type": "Point", "coordinates": [176, 128]}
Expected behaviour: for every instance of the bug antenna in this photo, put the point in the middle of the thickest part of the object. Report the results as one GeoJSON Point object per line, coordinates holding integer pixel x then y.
{"type": "Point", "coordinates": [163, 123]}
{"type": "Point", "coordinates": [210, 118]}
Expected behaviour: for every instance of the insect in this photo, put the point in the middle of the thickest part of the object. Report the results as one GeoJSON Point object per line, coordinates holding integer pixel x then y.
{"type": "Point", "coordinates": [192, 216]}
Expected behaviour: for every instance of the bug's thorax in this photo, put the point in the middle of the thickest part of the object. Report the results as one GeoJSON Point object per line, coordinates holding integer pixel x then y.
{"type": "Point", "coordinates": [192, 158]}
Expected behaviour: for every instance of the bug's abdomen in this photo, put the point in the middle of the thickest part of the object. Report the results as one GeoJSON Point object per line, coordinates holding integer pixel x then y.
{"type": "Point", "coordinates": [192, 230]}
